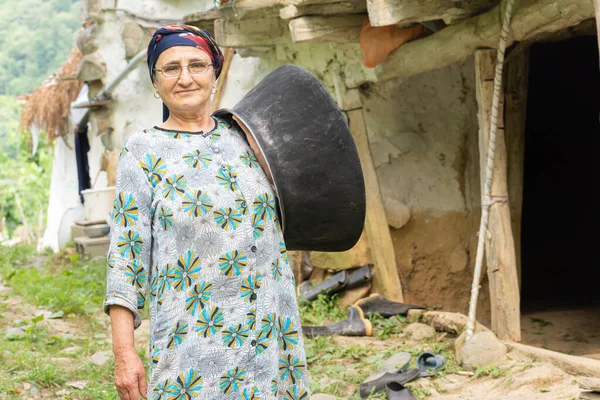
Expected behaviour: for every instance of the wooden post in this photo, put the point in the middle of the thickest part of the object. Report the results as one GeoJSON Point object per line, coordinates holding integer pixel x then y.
{"type": "Point", "coordinates": [597, 12]}
{"type": "Point", "coordinates": [499, 245]}
{"type": "Point", "coordinates": [227, 56]}
{"type": "Point", "coordinates": [385, 275]}
{"type": "Point", "coordinates": [517, 75]}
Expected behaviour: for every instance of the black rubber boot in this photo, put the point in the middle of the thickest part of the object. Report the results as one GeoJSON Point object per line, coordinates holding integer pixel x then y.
{"type": "Point", "coordinates": [378, 385]}
{"type": "Point", "coordinates": [386, 308]}
{"type": "Point", "coordinates": [359, 276]}
{"type": "Point", "coordinates": [397, 391]}
{"type": "Point", "coordinates": [306, 291]}
{"type": "Point", "coordinates": [354, 325]}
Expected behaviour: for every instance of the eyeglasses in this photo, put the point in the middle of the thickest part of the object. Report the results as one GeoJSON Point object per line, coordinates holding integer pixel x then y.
{"type": "Point", "coordinates": [174, 70]}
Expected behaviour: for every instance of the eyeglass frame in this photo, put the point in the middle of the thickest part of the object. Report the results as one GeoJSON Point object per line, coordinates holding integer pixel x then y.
{"type": "Point", "coordinates": [182, 67]}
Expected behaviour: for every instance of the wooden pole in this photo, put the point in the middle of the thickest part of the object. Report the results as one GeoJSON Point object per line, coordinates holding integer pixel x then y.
{"type": "Point", "coordinates": [228, 55]}
{"type": "Point", "coordinates": [385, 275]}
{"type": "Point", "coordinates": [532, 18]}
{"type": "Point", "coordinates": [517, 75]}
{"type": "Point", "coordinates": [597, 13]}
{"type": "Point", "coordinates": [499, 241]}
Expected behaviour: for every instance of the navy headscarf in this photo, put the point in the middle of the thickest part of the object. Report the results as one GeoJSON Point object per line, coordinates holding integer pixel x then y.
{"type": "Point", "coordinates": [182, 35]}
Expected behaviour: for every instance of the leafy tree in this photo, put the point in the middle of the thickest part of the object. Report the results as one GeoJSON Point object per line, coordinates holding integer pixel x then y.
{"type": "Point", "coordinates": [38, 37]}
{"type": "Point", "coordinates": [21, 173]}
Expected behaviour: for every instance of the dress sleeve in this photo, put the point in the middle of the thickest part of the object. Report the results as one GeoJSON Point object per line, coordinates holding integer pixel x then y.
{"type": "Point", "coordinates": [130, 251]}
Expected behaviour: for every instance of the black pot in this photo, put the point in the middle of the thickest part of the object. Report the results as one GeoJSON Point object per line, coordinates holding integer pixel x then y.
{"type": "Point", "coordinates": [308, 146]}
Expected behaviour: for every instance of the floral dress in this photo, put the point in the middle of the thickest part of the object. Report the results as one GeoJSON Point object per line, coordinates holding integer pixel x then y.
{"type": "Point", "coordinates": [195, 232]}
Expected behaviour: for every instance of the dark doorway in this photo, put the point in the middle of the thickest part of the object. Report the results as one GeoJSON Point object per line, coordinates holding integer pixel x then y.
{"type": "Point", "coordinates": [560, 240]}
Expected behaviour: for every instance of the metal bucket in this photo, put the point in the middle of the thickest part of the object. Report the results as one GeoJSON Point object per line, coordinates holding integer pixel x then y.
{"type": "Point", "coordinates": [308, 146]}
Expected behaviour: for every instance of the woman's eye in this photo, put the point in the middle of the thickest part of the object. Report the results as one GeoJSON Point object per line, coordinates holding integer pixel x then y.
{"type": "Point", "coordinates": [198, 66]}
{"type": "Point", "coordinates": [172, 68]}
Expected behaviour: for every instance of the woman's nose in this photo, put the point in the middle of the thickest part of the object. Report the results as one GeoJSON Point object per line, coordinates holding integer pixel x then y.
{"type": "Point", "coordinates": [185, 77]}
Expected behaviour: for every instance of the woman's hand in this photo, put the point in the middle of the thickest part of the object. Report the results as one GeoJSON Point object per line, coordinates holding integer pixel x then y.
{"type": "Point", "coordinates": [255, 149]}
{"type": "Point", "coordinates": [130, 377]}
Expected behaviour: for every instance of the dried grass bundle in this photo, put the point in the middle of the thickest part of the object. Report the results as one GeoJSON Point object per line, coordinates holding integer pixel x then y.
{"type": "Point", "coordinates": [49, 105]}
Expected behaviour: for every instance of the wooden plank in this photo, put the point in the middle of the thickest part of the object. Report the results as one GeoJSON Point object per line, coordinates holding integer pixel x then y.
{"type": "Point", "coordinates": [228, 55]}
{"type": "Point", "coordinates": [390, 12]}
{"type": "Point", "coordinates": [337, 29]}
{"type": "Point", "coordinates": [500, 247]}
{"type": "Point", "coordinates": [597, 13]}
{"type": "Point", "coordinates": [251, 32]}
{"type": "Point", "coordinates": [345, 7]}
{"type": "Point", "coordinates": [385, 274]}
{"type": "Point", "coordinates": [517, 75]}
{"type": "Point", "coordinates": [456, 43]}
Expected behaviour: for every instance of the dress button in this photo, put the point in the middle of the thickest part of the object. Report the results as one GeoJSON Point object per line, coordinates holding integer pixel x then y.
{"type": "Point", "coordinates": [244, 205]}
{"type": "Point", "coordinates": [253, 343]}
{"type": "Point", "coordinates": [253, 249]}
{"type": "Point", "coordinates": [253, 296]}
{"type": "Point", "coordinates": [223, 167]}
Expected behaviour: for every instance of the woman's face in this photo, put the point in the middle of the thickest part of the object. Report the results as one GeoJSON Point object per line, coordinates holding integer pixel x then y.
{"type": "Point", "coordinates": [186, 92]}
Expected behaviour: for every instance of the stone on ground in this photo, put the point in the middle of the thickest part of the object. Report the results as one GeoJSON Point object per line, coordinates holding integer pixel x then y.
{"type": "Point", "coordinates": [100, 358]}
{"type": "Point", "coordinates": [71, 350]}
{"type": "Point", "coordinates": [419, 331]}
{"type": "Point", "coordinates": [15, 333]}
{"type": "Point", "coordinates": [321, 396]}
{"type": "Point", "coordinates": [415, 315]}
{"type": "Point", "coordinates": [483, 349]}
{"type": "Point", "coordinates": [450, 322]}
{"type": "Point", "coordinates": [591, 384]}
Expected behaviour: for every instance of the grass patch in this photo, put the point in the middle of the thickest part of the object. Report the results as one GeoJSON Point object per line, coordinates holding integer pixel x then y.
{"type": "Point", "coordinates": [60, 282]}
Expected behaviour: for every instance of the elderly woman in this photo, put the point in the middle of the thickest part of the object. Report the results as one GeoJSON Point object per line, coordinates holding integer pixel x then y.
{"type": "Point", "coordinates": [195, 232]}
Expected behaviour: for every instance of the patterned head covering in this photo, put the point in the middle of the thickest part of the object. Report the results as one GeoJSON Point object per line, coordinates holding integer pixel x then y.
{"type": "Point", "coordinates": [183, 35]}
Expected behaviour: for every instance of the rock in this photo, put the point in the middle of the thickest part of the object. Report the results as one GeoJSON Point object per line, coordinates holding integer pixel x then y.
{"type": "Point", "coordinates": [351, 296]}
{"type": "Point", "coordinates": [86, 40]}
{"type": "Point", "coordinates": [587, 383]}
{"type": "Point", "coordinates": [418, 331]}
{"type": "Point", "coordinates": [135, 39]}
{"type": "Point", "coordinates": [459, 260]}
{"type": "Point", "coordinates": [100, 358]}
{"type": "Point", "coordinates": [483, 349]}
{"type": "Point", "coordinates": [71, 350]}
{"type": "Point", "coordinates": [321, 396]}
{"type": "Point", "coordinates": [414, 315]}
{"type": "Point", "coordinates": [91, 67]}
{"type": "Point", "coordinates": [62, 392]}
{"type": "Point", "coordinates": [449, 322]}
{"type": "Point", "coordinates": [15, 333]}
{"type": "Point", "coordinates": [397, 213]}
{"type": "Point", "coordinates": [77, 384]}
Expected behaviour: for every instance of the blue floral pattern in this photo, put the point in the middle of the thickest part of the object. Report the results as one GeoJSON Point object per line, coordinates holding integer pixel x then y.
{"type": "Point", "coordinates": [195, 235]}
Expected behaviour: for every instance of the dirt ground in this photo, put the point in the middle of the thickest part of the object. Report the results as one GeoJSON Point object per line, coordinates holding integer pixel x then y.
{"type": "Point", "coordinates": [515, 377]}
{"type": "Point", "coordinates": [571, 331]}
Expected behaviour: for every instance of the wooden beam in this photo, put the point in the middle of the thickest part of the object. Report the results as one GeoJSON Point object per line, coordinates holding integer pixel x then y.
{"type": "Point", "coordinates": [391, 12]}
{"type": "Point", "coordinates": [455, 43]}
{"type": "Point", "coordinates": [227, 56]}
{"type": "Point", "coordinates": [500, 247]}
{"type": "Point", "coordinates": [517, 77]}
{"type": "Point", "coordinates": [385, 275]}
{"type": "Point", "coordinates": [251, 32]}
{"type": "Point", "coordinates": [345, 7]}
{"type": "Point", "coordinates": [597, 13]}
{"type": "Point", "coordinates": [337, 29]}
